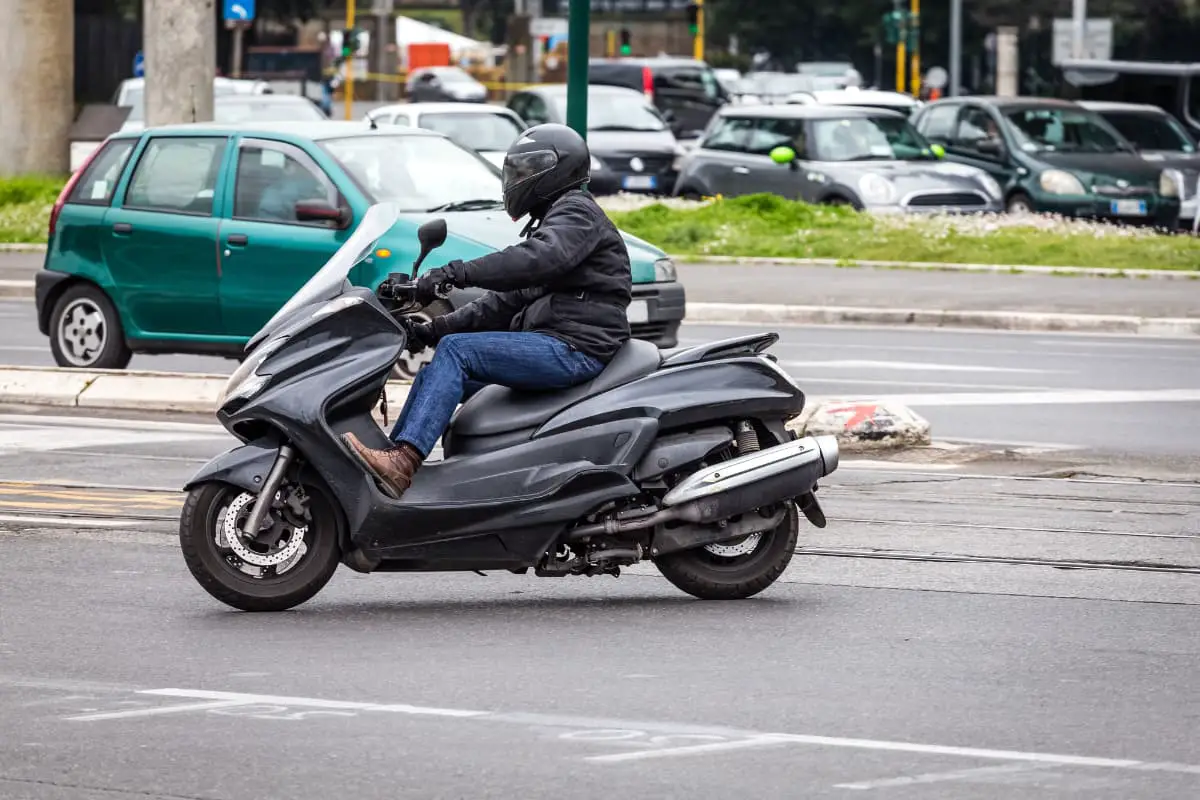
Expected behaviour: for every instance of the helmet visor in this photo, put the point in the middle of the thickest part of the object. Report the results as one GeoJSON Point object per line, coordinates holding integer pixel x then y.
{"type": "Point", "coordinates": [520, 167]}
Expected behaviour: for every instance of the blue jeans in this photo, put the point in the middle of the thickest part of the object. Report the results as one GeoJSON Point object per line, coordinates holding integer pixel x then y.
{"type": "Point", "coordinates": [466, 362]}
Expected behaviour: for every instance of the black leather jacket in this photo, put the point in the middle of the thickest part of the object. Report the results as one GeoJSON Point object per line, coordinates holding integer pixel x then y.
{"type": "Point", "coordinates": [569, 278]}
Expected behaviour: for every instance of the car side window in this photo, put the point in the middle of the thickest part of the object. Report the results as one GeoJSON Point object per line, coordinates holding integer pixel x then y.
{"type": "Point", "coordinates": [772, 133]}
{"type": "Point", "coordinates": [96, 185]}
{"type": "Point", "coordinates": [536, 112]}
{"type": "Point", "coordinates": [938, 122]}
{"type": "Point", "coordinates": [730, 134]}
{"type": "Point", "coordinates": [272, 177]}
{"type": "Point", "coordinates": [177, 174]}
{"type": "Point", "coordinates": [976, 125]}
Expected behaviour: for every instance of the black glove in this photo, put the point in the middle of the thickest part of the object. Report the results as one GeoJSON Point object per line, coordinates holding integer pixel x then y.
{"type": "Point", "coordinates": [420, 336]}
{"type": "Point", "coordinates": [432, 284]}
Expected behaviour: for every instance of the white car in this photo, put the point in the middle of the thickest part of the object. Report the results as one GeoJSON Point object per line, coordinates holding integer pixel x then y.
{"type": "Point", "coordinates": [487, 129]}
{"type": "Point", "coordinates": [862, 98]}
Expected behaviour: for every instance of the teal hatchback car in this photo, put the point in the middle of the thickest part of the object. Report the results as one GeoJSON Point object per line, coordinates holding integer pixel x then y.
{"type": "Point", "coordinates": [186, 239]}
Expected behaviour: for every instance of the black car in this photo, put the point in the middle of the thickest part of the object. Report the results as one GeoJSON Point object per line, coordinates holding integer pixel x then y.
{"type": "Point", "coordinates": [633, 149]}
{"type": "Point", "coordinates": [1160, 139]}
{"type": "Point", "coordinates": [686, 91]}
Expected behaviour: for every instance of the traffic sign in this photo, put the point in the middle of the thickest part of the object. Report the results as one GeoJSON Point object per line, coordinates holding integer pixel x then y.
{"type": "Point", "coordinates": [139, 65]}
{"type": "Point", "coordinates": [1097, 39]}
{"type": "Point", "coordinates": [238, 10]}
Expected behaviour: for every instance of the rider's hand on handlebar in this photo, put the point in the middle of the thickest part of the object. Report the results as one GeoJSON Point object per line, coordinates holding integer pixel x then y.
{"type": "Point", "coordinates": [420, 336]}
{"type": "Point", "coordinates": [432, 285]}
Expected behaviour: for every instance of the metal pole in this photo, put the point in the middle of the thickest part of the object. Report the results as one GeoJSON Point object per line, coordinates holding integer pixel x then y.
{"type": "Point", "coordinates": [698, 41]}
{"type": "Point", "coordinates": [916, 48]}
{"type": "Point", "coordinates": [1078, 27]}
{"type": "Point", "coordinates": [578, 33]}
{"type": "Point", "coordinates": [955, 47]}
{"type": "Point", "coordinates": [348, 91]}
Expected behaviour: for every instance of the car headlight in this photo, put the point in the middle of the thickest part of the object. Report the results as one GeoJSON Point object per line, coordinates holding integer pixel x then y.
{"type": "Point", "coordinates": [1055, 181]}
{"type": "Point", "coordinates": [664, 271]}
{"type": "Point", "coordinates": [876, 190]}
{"type": "Point", "coordinates": [991, 186]}
{"type": "Point", "coordinates": [596, 164]}
{"type": "Point", "coordinates": [1170, 183]}
{"type": "Point", "coordinates": [246, 382]}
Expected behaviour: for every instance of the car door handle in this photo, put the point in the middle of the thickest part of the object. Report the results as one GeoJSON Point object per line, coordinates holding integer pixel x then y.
{"type": "Point", "coordinates": [741, 170]}
{"type": "Point", "coordinates": [238, 238]}
{"type": "Point", "coordinates": [122, 227]}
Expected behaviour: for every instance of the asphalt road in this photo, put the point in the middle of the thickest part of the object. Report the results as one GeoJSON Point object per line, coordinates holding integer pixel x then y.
{"type": "Point", "coordinates": [1120, 396]}
{"type": "Point", "coordinates": [921, 646]}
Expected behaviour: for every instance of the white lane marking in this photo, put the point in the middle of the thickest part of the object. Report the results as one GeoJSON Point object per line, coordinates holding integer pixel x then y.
{"type": "Point", "coordinates": [910, 366]}
{"type": "Point", "coordinates": [116, 423]}
{"type": "Point", "coordinates": [313, 702]}
{"type": "Point", "coordinates": [22, 348]}
{"type": "Point", "coordinates": [47, 438]}
{"type": "Point", "coordinates": [938, 777]}
{"type": "Point", "coordinates": [154, 712]}
{"type": "Point", "coordinates": [37, 520]}
{"type": "Point", "coordinates": [1067, 397]}
{"type": "Point", "coordinates": [691, 750]}
{"type": "Point", "coordinates": [240, 698]}
{"type": "Point", "coordinates": [867, 464]}
{"type": "Point", "coordinates": [1009, 387]}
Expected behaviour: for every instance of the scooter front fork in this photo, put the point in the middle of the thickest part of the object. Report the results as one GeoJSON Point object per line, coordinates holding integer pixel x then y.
{"type": "Point", "coordinates": [267, 496]}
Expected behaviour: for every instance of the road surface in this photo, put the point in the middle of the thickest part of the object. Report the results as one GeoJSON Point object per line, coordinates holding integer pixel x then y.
{"type": "Point", "coordinates": [1121, 396]}
{"type": "Point", "coordinates": [948, 636]}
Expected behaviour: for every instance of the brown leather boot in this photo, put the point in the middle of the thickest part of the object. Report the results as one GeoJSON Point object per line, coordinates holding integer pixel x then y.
{"type": "Point", "coordinates": [393, 467]}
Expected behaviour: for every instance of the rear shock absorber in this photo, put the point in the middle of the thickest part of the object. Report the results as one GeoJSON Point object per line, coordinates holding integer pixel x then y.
{"type": "Point", "coordinates": [747, 438]}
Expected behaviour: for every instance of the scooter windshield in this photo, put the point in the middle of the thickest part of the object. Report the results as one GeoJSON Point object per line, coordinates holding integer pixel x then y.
{"type": "Point", "coordinates": [329, 280]}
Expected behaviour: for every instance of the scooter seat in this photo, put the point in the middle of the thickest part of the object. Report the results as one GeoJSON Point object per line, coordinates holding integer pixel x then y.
{"type": "Point", "coordinates": [498, 409]}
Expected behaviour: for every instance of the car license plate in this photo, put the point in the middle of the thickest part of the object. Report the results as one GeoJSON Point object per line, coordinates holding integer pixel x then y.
{"type": "Point", "coordinates": [638, 311]}
{"type": "Point", "coordinates": [1129, 208]}
{"type": "Point", "coordinates": [640, 182]}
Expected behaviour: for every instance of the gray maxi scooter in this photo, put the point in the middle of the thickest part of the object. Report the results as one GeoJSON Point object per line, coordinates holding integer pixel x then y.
{"type": "Point", "coordinates": [682, 459]}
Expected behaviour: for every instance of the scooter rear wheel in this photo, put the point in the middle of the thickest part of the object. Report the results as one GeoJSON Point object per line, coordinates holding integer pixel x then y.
{"type": "Point", "coordinates": [294, 556]}
{"type": "Point", "coordinates": [736, 569]}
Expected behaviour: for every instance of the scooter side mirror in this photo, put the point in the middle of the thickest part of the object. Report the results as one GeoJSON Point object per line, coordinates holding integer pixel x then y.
{"type": "Point", "coordinates": [431, 235]}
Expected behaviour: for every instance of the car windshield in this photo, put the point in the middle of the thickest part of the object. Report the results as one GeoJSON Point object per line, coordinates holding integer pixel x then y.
{"type": "Point", "coordinates": [1063, 130]}
{"type": "Point", "coordinates": [417, 173]}
{"type": "Point", "coordinates": [135, 99]}
{"type": "Point", "coordinates": [328, 281]}
{"type": "Point", "coordinates": [478, 131]}
{"type": "Point", "coordinates": [778, 83]}
{"type": "Point", "coordinates": [453, 76]}
{"type": "Point", "coordinates": [613, 111]}
{"type": "Point", "coordinates": [826, 69]}
{"type": "Point", "coordinates": [1151, 131]}
{"type": "Point", "coordinates": [233, 110]}
{"type": "Point", "coordinates": [868, 139]}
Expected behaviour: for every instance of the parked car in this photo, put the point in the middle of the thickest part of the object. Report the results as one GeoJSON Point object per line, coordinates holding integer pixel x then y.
{"type": "Point", "coordinates": [186, 239]}
{"type": "Point", "coordinates": [729, 79]}
{"type": "Point", "coordinates": [443, 85]}
{"type": "Point", "coordinates": [1160, 139]}
{"type": "Point", "coordinates": [231, 109]}
{"type": "Point", "coordinates": [1052, 156]}
{"type": "Point", "coordinates": [130, 91]}
{"type": "Point", "coordinates": [487, 129]}
{"type": "Point", "coordinates": [773, 87]}
{"type": "Point", "coordinates": [632, 147]}
{"type": "Point", "coordinates": [862, 98]}
{"type": "Point", "coordinates": [870, 159]}
{"type": "Point", "coordinates": [830, 74]}
{"type": "Point", "coordinates": [684, 90]}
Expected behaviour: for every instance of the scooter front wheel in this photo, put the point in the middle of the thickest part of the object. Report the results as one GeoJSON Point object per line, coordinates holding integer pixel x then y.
{"type": "Point", "coordinates": [734, 569]}
{"type": "Point", "coordinates": [291, 559]}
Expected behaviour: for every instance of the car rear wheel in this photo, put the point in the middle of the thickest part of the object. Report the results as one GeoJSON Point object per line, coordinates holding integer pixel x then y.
{"type": "Point", "coordinates": [1019, 204]}
{"type": "Point", "coordinates": [85, 330]}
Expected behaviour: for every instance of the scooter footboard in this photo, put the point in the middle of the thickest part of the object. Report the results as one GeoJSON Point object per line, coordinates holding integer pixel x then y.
{"type": "Point", "coordinates": [245, 467]}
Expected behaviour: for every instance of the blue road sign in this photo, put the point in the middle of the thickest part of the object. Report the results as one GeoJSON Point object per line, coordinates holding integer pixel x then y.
{"type": "Point", "coordinates": [139, 65]}
{"type": "Point", "coordinates": [238, 10]}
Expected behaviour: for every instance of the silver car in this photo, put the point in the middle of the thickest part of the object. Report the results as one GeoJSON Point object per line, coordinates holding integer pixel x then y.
{"type": "Point", "coordinates": [871, 159]}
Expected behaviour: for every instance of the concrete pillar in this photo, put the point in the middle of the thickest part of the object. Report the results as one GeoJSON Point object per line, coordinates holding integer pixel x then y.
{"type": "Point", "coordinates": [180, 42]}
{"type": "Point", "coordinates": [1006, 62]}
{"type": "Point", "coordinates": [37, 94]}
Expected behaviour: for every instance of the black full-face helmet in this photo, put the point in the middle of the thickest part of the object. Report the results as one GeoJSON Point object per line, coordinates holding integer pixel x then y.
{"type": "Point", "coordinates": [546, 161]}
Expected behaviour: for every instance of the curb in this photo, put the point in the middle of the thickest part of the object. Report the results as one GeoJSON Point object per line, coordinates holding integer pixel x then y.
{"type": "Point", "coordinates": [923, 266]}
{"type": "Point", "coordinates": [759, 313]}
{"type": "Point", "coordinates": [860, 425]}
{"type": "Point", "coordinates": [939, 266]}
{"type": "Point", "coordinates": [17, 289]}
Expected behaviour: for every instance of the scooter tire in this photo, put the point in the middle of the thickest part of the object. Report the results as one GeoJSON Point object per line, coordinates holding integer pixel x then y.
{"type": "Point", "coordinates": [707, 577]}
{"type": "Point", "coordinates": [197, 539]}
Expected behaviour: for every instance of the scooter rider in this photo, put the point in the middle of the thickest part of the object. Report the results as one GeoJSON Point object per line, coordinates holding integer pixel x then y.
{"type": "Point", "coordinates": [555, 314]}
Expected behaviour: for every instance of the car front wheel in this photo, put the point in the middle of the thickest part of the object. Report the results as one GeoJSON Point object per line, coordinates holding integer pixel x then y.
{"type": "Point", "coordinates": [85, 330]}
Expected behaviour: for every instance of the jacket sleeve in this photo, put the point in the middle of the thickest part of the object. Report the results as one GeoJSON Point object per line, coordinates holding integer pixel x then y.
{"type": "Point", "coordinates": [568, 235]}
{"type": "Point", "coordinates": [492, 312]}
